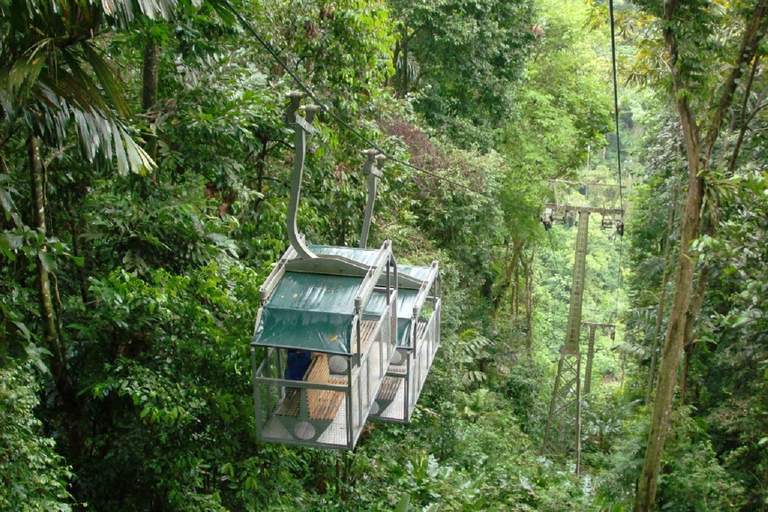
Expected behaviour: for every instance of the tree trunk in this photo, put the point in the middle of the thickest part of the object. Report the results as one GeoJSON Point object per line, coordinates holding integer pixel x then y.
{"type": "Point", "coordinates": [51, 339]}
{"type": "Point", "coordinates": [496, 302]}
{"type": "Point", "coordinates": [690, 319]}
{"type": "Point", "coordinates": [261, 164]}
{"type": "Point", "coordinates": [405, 64]}
{"type": "Point", "coordinates": [505, 281]}
{"type": "Point", "coordinates": [149, 83]}
{"type": "Point", "coordinates": [687, 357]}
{"type": "Point", "coordinates": [744, 121]}
{"type": "Point", "coordinates": [513, 276]}
{"type": "Point", "coordinates": [392, 79]}
{"type": "Point", "coordinates": [673, 344]}
{"type": "Point", "coordinates": [77, 253]}
{"type": "Point", "coordinates": [662, 294]}
{"type": "Point", "coordinates": [5, 223]}
{"type": "Point", "coordinates": [44, 285]}
{"type": "Point", "coordinates": [516, 281]}
{"type": "Point", "coordinates": [670, 357]}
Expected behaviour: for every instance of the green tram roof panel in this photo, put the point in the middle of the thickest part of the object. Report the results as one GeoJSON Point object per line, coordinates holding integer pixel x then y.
{"type": "Point", "coordinates": [377, 304]}
{"type": "Point", "coordinates": [420, 273]}
{"type": "Point", "coordinates": [405, 302]}
{"type": "Point", "coordinates": [310, 312]}
{"type": "Point", "coordinates": [364, 256]}
{"type": "Point", "coordinates": [406, 299]}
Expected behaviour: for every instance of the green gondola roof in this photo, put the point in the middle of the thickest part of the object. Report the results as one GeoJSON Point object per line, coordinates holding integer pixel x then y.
{"type": "Point", "coordinates": [406, 299]}
{"type": "Point", "coordinates": [420, 273]}
{"type": "Point", "coordinates": [405, 302]}
{"type": "Point", "coordinates": [316, 311]}
{"type": "Point", "coordinates": [365, 256]}
{"type": "Point", "coordinates": [310, 312]}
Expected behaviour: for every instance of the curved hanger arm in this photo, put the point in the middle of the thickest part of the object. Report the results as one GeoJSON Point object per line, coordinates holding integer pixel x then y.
{"type": "Point", "coordinates": [373, 172]}
{"type": "Point", "coordinates": [302, 128]}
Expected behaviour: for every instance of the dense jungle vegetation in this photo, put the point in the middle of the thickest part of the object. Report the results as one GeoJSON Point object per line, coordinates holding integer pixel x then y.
{"type": "Point", "coordinates": [144, 175]}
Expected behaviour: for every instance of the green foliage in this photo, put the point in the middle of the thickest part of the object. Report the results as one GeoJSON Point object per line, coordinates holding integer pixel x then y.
{"type": "Point", "coordinates": [722, 376]}
{"type": "Point", "coordinates": [563, 106]}
{"type": "Point", "coordinates": [175, 228]}
{"type": "Point", "coordinates": [33, 476]}
{"type": "Point", "coordinates": [462, 58]}
{"type": "Point", "coordinates": [174, 383]}
{"type": "Point", "coordinates": [155, 276]}
{"type": "Point", "coordinates": [730, 361]}
{"type": "Point", "coordinates": [473, 348]}
{"type": "Point", "coordinates": [692, 477]}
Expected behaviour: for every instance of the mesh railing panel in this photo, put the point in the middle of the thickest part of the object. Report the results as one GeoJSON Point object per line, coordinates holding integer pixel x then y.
{"type": "Point", "coordinates": [402, 387]}
{"type": "Point", "coordinates": [391, 403]}
{"type": "Point", "coordinates": [423, 357]}
{"type": "Point", "coordinates": [300, 412]}
{"type": "Point", "coordinates": [374, 364]}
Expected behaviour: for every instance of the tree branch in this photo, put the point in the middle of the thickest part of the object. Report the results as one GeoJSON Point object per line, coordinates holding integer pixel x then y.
{"type": "Point", "coordinates": [744, 119]}
{"type": "Point", "coordinates": [753, 34]}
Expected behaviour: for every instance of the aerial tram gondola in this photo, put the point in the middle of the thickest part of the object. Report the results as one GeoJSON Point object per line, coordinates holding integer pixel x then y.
{"type": "Point", "coordinates": [327, 325]}
{"type": "Point", "coordinates": [418, 338]}
{"type": "Point", "coordinates": [418, 324]}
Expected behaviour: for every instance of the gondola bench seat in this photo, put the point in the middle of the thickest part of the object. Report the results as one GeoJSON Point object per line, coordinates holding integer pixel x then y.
{"type": "Point", "coordinates": [307, 413]}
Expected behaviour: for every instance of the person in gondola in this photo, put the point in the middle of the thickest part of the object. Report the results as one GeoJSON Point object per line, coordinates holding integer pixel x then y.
{"type": "Point", "coordinates": [296, 365]}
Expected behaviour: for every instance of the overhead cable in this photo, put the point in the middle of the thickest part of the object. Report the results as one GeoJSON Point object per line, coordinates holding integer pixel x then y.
{"type": "Point", "coordinates": [616, 100]}
{"type": "Point", "coordinates": [619, 283]}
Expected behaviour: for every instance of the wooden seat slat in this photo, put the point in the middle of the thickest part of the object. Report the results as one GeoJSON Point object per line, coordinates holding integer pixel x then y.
{"type": "Point", "coordinates": [400, 369]}
{"type": "Point", "coordinates": [367, 327]}
{"type": "Point", "coordinates": [323, 404]}
{"type": "Point", "coordinates": [388, 388]}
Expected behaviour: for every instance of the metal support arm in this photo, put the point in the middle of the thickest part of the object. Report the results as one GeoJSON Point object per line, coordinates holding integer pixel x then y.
{"type": "Point", "coordinates": [302, 128]}
{"type": "Point", "coordinates": [373, 172]}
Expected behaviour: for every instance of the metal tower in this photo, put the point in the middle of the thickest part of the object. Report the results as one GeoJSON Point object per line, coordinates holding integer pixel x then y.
{"type": "Point", "coordinates": [565, 406]}
{"type": "Point", "coordinates": [563, 431]}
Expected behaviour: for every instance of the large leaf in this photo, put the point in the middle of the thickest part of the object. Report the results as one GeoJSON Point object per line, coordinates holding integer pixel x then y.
{"type": "Point", "coordinates": [404, 504]}
{"type": "Point", "coordinates": [51, 74]}
{"type": "Point", "coordinates": [112, 86]}
{"type": "Point", "coordinates": [24, 72]}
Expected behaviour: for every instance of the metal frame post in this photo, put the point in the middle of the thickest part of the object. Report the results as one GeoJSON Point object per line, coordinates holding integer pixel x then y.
{"type": "Point", "coordinates": [565, 406]}
{"type": "Point", "coordinates": [590, 357]}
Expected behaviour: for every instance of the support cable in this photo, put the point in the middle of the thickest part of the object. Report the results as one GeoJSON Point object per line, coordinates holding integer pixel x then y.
{"type": "Point", "coordinates": [616, 100]}
{"type": "Point", "coordinates": [276, 56]}
{"type": "Point", "coordinates": [618, 141]}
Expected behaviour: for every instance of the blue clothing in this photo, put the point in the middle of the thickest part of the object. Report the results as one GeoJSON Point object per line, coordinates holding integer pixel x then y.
{"type": "Point", "coordinates": [297, 364]}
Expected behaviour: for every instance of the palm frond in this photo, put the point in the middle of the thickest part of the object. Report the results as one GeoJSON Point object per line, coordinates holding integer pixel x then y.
{"type": "Point", "coordinates": [101, 137]}
{"type": "Point", "coordinates": [633, 350]}
{"type": "Point", "coordinates": [119, 12]}
{"type": "Point", "coordinates": [52, 76]}
{"type": "Point", "coordinates": [24, 73]}
{"type": "Point", "coordinates": [107, 78]}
